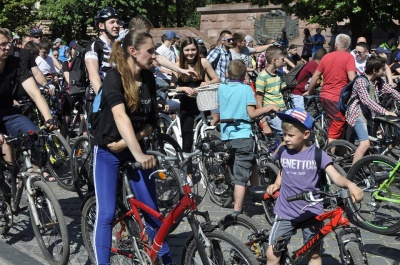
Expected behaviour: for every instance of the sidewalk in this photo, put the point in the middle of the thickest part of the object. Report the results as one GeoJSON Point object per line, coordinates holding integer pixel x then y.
{"type": "Point", "coordinates": [12, 256]}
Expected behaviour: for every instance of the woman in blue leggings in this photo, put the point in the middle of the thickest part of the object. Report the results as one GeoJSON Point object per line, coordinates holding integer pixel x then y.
{"type": "Point", "coordinates": [127, 116]}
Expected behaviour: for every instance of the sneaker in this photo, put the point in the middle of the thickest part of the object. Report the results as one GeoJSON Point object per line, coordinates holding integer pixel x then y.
{"type": "Point", "coordinates": [189, 181]}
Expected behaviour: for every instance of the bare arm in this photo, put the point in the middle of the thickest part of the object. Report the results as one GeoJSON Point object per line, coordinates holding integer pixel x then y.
{"type": "Point", "coordinates": [92, 66]}
{"type": "Point", "coordinates": [389, 76]}
{"type": "Point", "coordinates": [288, 62]}
{"type": "Point", "coordinates": [255, 112]}
{"type": "Point", "coordinates": [33, 91]}
{"type": "Point", "coordinates": [259, 100]}
{"type": "Point", "coordinates": [343, 182]}
{"type": "Point", "coordinates": [56, 63]}
{"type": "Point", "coordinates": [213, 78]}
{"type": "Point", "coordinates": [127, 132]}
{"type": "Point", "coordinates": [164, 61]}
{"type": "Point", "coordinates": [261, 48]}
{"type": "Point", "coordinates": [351, 75]}
{"type": "Point", "coordinates": [39, 77]}
{"type": "Point", "coordinates": [277, 185]}
{"type": "Point", "coordinates": [121, 144]}
{"type": "Point", "coordinates": [313, 83]}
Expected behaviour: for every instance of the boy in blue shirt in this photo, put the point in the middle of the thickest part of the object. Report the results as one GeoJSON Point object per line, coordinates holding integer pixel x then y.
{"type": "Point", "coordinates": [236, 101]}
{"type": "Point", "coordinates": [299, 173]}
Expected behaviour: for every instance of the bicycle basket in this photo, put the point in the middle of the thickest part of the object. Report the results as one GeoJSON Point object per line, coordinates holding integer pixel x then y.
{"type": "Point", "coordinates": [207, 97]}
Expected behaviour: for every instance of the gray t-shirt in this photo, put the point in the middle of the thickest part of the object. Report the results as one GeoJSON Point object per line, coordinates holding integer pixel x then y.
{"type": "Point", "coordinates": [299, 173]}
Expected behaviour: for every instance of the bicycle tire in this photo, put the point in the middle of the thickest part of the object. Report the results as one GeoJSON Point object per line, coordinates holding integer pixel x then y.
{"type": "Point", "coordinates": [234, 251]}
{"type": "Point", "coordinates": [58, 162]}
{"type": "Point", "coordinates": [376, 215]}
{"type": "Point", "coordinates": [46, 203]}
{"type": "Point", "coordinates": [354, 254]}
{"type": "Point", "coordinates": [81, 167]}
{"type": "Point", "coordinates": [321, 135]}
{"type": "Point", "coordinates": [122, 238]}
{"type": "Point", "coordinates": [268, 177]}
{"type": "Point", "coordinates": [342, 154]}
{"type": "Point", "coordinates": [246, 230]}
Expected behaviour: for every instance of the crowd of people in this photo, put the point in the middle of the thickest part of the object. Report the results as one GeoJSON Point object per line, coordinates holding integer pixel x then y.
{"type": "Point", "coordinates": [127, 67]}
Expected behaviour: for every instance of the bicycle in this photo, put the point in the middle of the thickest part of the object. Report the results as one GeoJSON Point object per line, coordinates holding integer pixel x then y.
{"type": "Point", "coordinates": [378, 176]}
{"type": "Point", "coordinates": [350, 248]}
{"type": "Point", "coordinates": [45, 212]}
{"type": "Point", "coordinates": [132, 244]}
{"type": "Point", "coordinates": [56, 146]}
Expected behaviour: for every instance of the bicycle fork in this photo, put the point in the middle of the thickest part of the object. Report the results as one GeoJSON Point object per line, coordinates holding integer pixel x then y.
{"type": "Point", "coordinates": [202, 241]}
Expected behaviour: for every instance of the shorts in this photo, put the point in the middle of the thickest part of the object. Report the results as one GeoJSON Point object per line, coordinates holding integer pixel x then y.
{"type": "Point", "coordinates": [336, 121]}
{"type": "Point", "coordinates": [275, 124]}
{"type": "Point", "coordinates": [244, 159]}
{"type": "Point", "coordinates": [361, 128]}
{"type": "Point", "coordinates": [298, 101]}
{"type": "Point", "coordinates": [16, 123]}
{"type": "Point", "coordinates": [286, 228]}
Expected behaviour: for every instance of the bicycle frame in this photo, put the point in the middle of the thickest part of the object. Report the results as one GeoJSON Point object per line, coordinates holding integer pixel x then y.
{"type": "Point", "coordinates": [385, 187]}
{"type": "Point", "coordinates": [187, 202]}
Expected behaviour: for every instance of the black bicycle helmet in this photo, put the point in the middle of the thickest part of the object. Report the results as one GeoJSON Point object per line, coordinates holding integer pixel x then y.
{"type": "Point", "coordinates": [105, 14]}
{"type": "Point", "coordinates": [35, 31]}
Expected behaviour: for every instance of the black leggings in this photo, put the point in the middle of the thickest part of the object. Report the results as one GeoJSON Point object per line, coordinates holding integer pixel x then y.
{"type": "Point", "coordinates": [188, 112]}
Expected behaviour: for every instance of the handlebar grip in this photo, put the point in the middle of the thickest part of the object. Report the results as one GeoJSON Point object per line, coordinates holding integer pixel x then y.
{"type": "Point", "coordinates": [296, 197]}
{"type": "Point", "coordinates": [215, 143]}
{"type": "Point", "coordinates": [136, 165]}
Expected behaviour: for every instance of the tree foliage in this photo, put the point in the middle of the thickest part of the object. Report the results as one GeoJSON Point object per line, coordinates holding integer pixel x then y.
{"type": "Point", "coordinates": [363, 15]}
{"type": "Point", "coordinates": [16, 15]}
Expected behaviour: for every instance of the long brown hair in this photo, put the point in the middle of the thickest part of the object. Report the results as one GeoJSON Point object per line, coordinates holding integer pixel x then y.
{"type": "Point", "coordinates": [198, 67]}
{"type": "Point", "coordinates": [119, 56]}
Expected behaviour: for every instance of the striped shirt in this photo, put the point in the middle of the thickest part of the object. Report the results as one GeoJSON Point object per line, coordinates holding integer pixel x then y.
{"type": "Point", "coordinates": [360, 92]}
{"type": "Point", "coordinates": [225, 57]}
{"type": "Point", "coordinates": [100, 50]}
{"type": "Point", "coordinates": [269, 85]}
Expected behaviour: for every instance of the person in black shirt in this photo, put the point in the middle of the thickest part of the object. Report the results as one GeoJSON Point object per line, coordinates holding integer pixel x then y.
{"type": "Point", "coordinates": [13, 73]}
{"type": "Point", "coordinates": [128, 113]}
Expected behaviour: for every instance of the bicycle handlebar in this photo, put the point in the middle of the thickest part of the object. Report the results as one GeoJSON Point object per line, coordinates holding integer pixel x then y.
{"type": "Point", "coordinates": [238, 121]}
{"type": "Point", "coordinates": [309, 197]}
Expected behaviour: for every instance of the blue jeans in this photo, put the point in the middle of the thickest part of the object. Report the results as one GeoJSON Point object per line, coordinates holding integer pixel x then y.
{"type": "Point", "coordinates": [106, 171]}
{"type": "Point", "coordinates": [275, 124]}
{"type": "Point", "coordinates": [361, 128]}
{"type": "Point", "coordinates": [298, 101]}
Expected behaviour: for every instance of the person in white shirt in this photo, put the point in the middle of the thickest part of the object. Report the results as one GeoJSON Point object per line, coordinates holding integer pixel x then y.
{"type": "Point", "coordinates": [45, 62]}
{"type": "Point", "coordinates": [167, 50]}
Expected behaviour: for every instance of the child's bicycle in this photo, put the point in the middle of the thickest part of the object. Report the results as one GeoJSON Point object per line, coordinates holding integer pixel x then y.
{"type": "Point", "coordinates": [131, 244]}
{"type": "Point", "coordinates": [349, 239]}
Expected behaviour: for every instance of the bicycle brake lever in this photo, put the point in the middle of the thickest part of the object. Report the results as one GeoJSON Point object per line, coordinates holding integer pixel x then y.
{"type": "Point", "coordinates": [157, 171]}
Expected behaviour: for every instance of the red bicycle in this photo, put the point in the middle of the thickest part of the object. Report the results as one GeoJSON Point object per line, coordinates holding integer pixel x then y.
{"type": "Point", "coordinates": [132, 245]}
{"type": "Point", "coordinates": [349, 239]}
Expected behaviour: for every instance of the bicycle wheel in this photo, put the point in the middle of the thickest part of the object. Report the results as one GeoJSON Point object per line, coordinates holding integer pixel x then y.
{"type": "Point", "coordinates": [341, 152]}
{"type": "Point", "coordinates": [354, 255]}
{"type": "Point", "coordinates": [247, 231]}
{"type": "Point", "coordinates": [122, 234]}
{"type": "Point", "coordinates": [379, 211]}
{"type": "Point", "coordinates": [268, 172]}
{"type": "Point", "coordinates": [224, 249]}
{"type": "Point", "coordinates": [58, 162]}
{"type": "Point", "coordinates": [320, 135]}
{"type": "Point", "coordinates": [51, 230]}
{"type": "Point", "coordinates": [81, 166]}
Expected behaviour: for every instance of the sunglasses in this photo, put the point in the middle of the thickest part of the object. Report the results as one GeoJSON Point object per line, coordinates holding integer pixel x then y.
{"type": "Point", "coordinates": [228, 40]}
{"type": "Point", "coordinates": [37, 37]}
{"type": "Point", "coordinates": [358, 52]}
{"type": "Point", "coordinates": [5, 44]}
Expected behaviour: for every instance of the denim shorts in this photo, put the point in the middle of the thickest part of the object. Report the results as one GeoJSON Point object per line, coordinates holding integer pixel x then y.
{"type": "Point", "coordinates": [298, 101]}
{"type": "Point", "coordinates": [287, 228]}
{"type": "Point", "coordinates": [16, 123]}
{"type": "Point", "coordinates": [243, 152]}
{"type": "Point", "coordinates": [275, 124]}
{"type": "Point", "coordinates": [361, 128]}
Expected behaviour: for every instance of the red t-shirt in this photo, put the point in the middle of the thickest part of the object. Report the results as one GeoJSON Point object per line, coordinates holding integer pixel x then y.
{"type": "Point", "coordinates": [305, 73]}
{"type": "Point", "coordinates": [334, 67]}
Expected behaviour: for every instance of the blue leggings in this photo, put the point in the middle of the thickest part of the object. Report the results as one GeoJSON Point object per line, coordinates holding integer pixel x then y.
{"type": "Point", "coordinates": [106, 171]}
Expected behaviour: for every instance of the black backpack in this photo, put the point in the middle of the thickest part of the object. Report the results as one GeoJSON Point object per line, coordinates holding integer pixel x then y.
{"type": "Point", "coordinates": [214, 64]}
{"type": "Point", "coordinates": [78, 78]}
{"type": "Point", "coordinates": [345, 94]}
{"type": "Point", "coordinates": [290, 78]}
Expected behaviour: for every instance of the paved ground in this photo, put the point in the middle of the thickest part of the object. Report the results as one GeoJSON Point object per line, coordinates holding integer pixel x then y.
{"type": "Point", "coordinates": [21, 247]}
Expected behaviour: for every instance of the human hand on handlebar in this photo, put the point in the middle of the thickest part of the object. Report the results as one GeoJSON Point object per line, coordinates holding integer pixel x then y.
{"type": "Point", "coordinates": [390, 113]}
{"type": "Point", "coordinates": [272, 188]}
{"type": "Point", "coordinates": [147, 161]}
{"type": "Point", "coordinates": [51, 125]}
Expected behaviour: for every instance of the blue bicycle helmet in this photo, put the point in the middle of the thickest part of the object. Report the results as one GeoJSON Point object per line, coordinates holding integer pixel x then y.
{"type": "Point", "coordinates": [105, 14]}
{"type": "Point", "coordinates": [35, 31]}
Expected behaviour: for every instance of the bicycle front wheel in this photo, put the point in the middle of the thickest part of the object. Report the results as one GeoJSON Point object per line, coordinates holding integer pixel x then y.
{"type": "Point", "coordinates": [380, 209]}
{"type": "Point", "coordinates": [247, 231]}
{"type": "Point", "coordinates": [58, 162]}
{"type": "Point", "coordinates": [81, 166]}
{"type": "Point", "coordinates": [50, 229]}
{"type": "Point", "coordinates": [223, 249]}
{"type": "Point", "coordinates": [268, 171]}
{"type": "Point", "coordinates": [342, 153]}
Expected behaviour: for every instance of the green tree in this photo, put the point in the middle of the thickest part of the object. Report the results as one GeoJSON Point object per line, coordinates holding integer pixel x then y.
{"type": "Point", "coordinates": [364, 16]}
{"type": "Point", "coordinates": [72, 18]}
{"type": "Point", "coordinates": [17, 15]}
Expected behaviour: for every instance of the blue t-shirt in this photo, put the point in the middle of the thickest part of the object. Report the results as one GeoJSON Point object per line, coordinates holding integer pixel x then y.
{"type": "Point", "coordinates": [61, 53]}
{"type": "Point", "coordinates": [234, 97]}
{"type": "Point", "coordinates": [299, 173]}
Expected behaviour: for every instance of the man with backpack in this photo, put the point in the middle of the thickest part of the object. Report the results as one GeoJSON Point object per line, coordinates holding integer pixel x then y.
{"type": "Point", "coordinates": [221, 56]}
{"type": "Point", "coordinates": [337, 69]}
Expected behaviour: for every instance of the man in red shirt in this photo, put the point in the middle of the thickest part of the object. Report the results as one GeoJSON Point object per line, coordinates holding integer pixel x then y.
{"type": "Point", "coordinates": [337, 69]}
{"type": "Point", "coordinates": [304, 77]}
